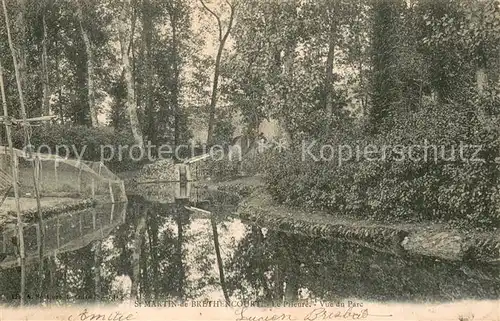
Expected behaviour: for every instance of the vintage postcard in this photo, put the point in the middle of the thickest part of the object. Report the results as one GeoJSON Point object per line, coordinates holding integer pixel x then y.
{"type": "Point", "coordinates": [250, 160]}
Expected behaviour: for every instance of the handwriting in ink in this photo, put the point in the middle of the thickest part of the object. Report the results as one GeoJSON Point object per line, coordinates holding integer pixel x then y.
{"type": "Point", "coordinates": [114, 316]}
{"type": "Point", "coordinates": [318, 314]}
{"type": "Point", "coordinates": [274, 317]}
{"type": "Point", "coordinates": [323, 314]}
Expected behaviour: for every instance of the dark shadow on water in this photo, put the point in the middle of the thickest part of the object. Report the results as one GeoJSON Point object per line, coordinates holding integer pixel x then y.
{"type": "Point", "coordinates": [163, 252]}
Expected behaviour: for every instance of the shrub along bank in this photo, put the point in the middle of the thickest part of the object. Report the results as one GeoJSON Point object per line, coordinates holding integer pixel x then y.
{"type": "Point", "coordinates": [424, 175]}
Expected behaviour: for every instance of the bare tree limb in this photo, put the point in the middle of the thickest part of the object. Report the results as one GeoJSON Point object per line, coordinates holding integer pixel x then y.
{"type": "Point", "coordinates": [219, 23]}
{"type": "Point", "coordinates": [230, 25]}
{"type": "Point", "coordinates": [222, 42]}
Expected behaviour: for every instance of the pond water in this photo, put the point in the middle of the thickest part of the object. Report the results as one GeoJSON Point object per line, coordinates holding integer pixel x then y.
{"type": "Point", "coordinates": [186, 255]}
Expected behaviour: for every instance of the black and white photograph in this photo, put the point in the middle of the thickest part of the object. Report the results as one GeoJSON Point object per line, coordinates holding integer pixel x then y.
{"type": "Point", "coordinates": [250, 160]}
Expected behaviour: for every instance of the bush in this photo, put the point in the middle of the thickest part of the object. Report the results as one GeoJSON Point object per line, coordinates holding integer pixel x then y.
{"type": "Point", "coordinates": [395, 189]}
{"type": "Point", "coordinates": [81, 139]}
{"type": "Point", "coordinates": [220, 170]}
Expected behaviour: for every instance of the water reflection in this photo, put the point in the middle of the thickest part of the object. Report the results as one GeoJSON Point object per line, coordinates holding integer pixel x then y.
{"type": "Point", "coordinates": [165, 252]}
{"type": "Point", "coordinates": [62, 233]}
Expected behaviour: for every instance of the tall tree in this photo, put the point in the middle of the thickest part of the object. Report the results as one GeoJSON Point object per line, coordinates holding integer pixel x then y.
{"type": "Point", "coordinates": [173, 11]}
{"type": "Point", "coordinates": [126, 39]}
{"type": "Point", "coordinates": [45, 64]}
{"type": "Point", "coordinates": [223, 34]}
{"type": "Point", "coordinates": [385, 60]}
{"type": "Point", "coordinates": [20, 27]}
{"type": "Point", "coordinates": [90, 60]}
{"type": "Point", "coordinates": [19, 65]}
{"type": "Point", "coordinates": [151, 129]}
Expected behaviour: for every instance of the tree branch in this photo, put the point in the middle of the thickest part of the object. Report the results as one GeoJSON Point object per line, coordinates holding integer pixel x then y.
{"type": "Point", "coordinates": [219, 24]}
{"type": "Point", "coordinates": [231, 18]}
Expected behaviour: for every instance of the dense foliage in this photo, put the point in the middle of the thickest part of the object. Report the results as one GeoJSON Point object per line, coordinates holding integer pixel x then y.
{"type": "Point", "coordinates": [82, 142]}
{"type": "Point", "coordinates": [381, 73]}
{"type": "Point", "coordinates": [423, 176]}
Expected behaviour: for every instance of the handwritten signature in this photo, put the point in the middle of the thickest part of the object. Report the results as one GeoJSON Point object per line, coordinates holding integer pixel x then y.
{"type": "Point", "coordinates": [316, 314]}
{"type": "Point", "coordinates": [114, 316]}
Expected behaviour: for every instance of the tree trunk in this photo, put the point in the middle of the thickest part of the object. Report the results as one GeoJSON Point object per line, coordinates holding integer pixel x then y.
{"type": "Point", "coordinates": [15, 178]}
{"type": "Point", "coordinates": [220, 264]}
{"type": "Point", "coordinates": [90, 68]}
{"type": "Point", "coordinates": [129, 76]}
{"type": "Point", "coordinates": [215, 84]}
{"type": "Point", "coordinates": [260, 239]}
{"type": "Point", "coordinates": [180, 241]}
{"type": "Point", "coordinates": [136, 253]}
{"type": "Point", "coordinates": [213, 98]}
{"type": "Point", "coordinates": [145, 284]}
{"type": "Point", "coordinates": [20, 77]}
{"type": "Point", "coordinates": [59, 87]}
{"type": "Point", "coordinates": [151, 127]}
{"type": "Point", "coordinates": [45, 72]}
{"type": "Point", "coordinates": [385, 83]}
{"type": "Point", "coordinates": [175, 88]}
{"type": "Point", "coordinates": [153, 248]}
{"type": "Point", "coordinates": [97, 270]}
{"type": "Point", "coordinates": [51, 262]}
{"type": "Point", "coordinates": [41, 267]}
{"type": "Point", "coordinates": [329, 74]}
{"type": "Point", "coordinates": [36, 177]}
{"type": "Point", "coordinates": [21, 29]}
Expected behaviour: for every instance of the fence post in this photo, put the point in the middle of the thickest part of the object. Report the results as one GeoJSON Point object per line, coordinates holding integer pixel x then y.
{"type": "Point", "coordinates": [112, 212]}
{"type": "Point", "coordinates": [79, 177]}
{"type": "Point", "coordinates": [100, 229]}
{"type": "Point", "coordinates": [111, 192]}
{"type": "Point", "coordinates": [16, 163]}
{"type": "Point", "coordinates": [124, 193]}
{"type": "Point", "coordinates": [37, 171]}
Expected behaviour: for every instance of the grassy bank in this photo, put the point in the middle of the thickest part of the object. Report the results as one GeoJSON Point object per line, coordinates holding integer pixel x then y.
{"type": "Point", "coordinates": [434, 240]}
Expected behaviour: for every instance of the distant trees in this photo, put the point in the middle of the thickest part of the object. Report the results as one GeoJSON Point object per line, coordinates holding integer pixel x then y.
{"type": "Point", "coordinates": [312, 65]}
{"type": "Point", "coordinates": [371, 58]}
{"type": "Point", "coordinates": [74, 66]}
